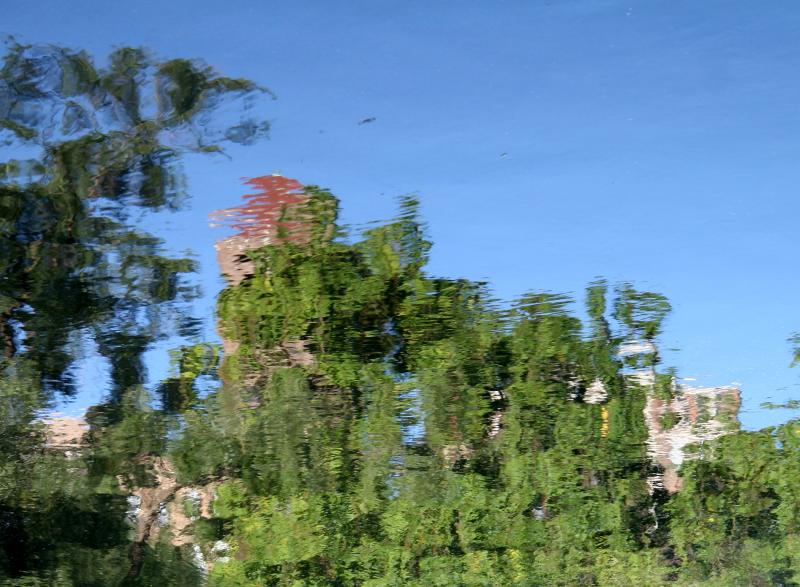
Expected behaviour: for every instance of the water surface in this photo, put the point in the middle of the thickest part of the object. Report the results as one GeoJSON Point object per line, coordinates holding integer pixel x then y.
{"type": "Point", "coordinates": [232, 354]}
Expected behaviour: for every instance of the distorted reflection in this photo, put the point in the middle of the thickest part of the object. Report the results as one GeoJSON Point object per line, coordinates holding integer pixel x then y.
{"type": "Point", "coordinates": [91, 148]}
{"type": "Point", "coordinates": [363, 422]}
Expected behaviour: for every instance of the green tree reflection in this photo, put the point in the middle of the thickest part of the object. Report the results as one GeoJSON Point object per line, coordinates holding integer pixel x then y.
{"type": "Point", "coordinates": [369, 423]}
{"type": "Point", "coordinates": [93, 145]}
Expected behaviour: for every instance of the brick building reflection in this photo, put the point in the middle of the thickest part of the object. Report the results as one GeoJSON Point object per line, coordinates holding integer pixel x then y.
{"type": "Point", "coordinates": [271, 214]}
{"type": "Point", "coordinates": [681, 421]}
{"type": "Point", "coordinates": [679, 426]}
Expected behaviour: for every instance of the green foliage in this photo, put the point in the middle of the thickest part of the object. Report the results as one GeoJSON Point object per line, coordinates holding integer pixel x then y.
{"type": "Point", "coordinates": [437, 439]}
{"type": "Point", "coordinates": [75, 272]}
{"type": "Point", "coordinates": [376, 425]}
{"type": "Point", "coordinates": [642, 312]}
{"type": "Point", "coordinates": [377, 464]}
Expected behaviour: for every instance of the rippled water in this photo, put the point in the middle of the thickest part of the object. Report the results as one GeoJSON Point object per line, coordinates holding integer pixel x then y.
{"type": "Point", "coordinates": [227, 380]}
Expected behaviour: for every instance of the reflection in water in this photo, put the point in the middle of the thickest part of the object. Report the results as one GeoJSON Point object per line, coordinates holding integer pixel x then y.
{"type": "Point", "coordinates": [264, 218]}
{"type": "Point", "coordinates": [367, 423]}
{"type": "Point", "coordinates": [92, 147]}
{"type": "Point", "coordinates": [678, 417]}
{"type": "Point", "coordinates": [689, 416]}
